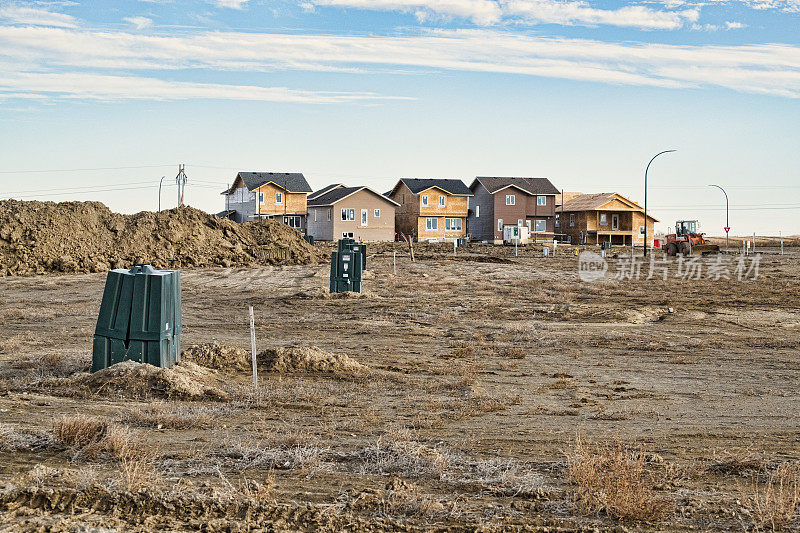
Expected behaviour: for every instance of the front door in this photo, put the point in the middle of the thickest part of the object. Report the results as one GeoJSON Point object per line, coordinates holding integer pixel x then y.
{"type": "Point", "coordinates": [614, 222]}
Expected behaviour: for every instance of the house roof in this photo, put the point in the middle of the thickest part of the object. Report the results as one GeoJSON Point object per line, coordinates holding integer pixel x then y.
{"type": "Point", "coordinates": [290, 181]}
{"type": "Point", "coordinates": [450, 186]}
{"type": "Point", "coordinates": [597, 202]}
{"type": "Point", "coordinates": [337, 194]}
{"type": "Point", "coordinates": [325, 189]}
{"type": "Point", "coordinates": [532, 186]}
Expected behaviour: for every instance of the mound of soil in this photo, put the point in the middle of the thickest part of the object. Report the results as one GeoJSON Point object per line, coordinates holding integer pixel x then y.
{"type": "Point", "coordinates": [306, 359]}
{"type": "Point", "coordinates": [129, 379]}
{"type": "Point", "coordinates": [215, 355]}
{"type": "Point", "coordinates": [40, 237]}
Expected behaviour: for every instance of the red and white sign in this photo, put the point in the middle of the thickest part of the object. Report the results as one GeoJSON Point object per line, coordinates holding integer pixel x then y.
{"type": "Point", "coordinates": [727, 229]}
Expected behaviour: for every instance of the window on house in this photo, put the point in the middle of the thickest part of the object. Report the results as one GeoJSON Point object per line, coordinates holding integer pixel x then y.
{"type": "Point", "coordinates": [499, 224]}
{"type": "Point", "coordinates": [571, 220]}
{"type": "Point", "coordinates": [603, 219]}
{"type": "Point", "coordinates": [452, 224]}
{"type": "Point", "coordinates": [348, 214]}
{"type": "Point", "coordinates": [541, 200]}
{"type": "Point", "coordinates": [441, 201]}
{"type": "Point", "coordinates": [292, 221]}
{"type": "Point", "coordinates": [510, 199]}
{"type": "Point", "coordinates": [528, 223]}
{"type": "Point", "coordinates": [278, 198]}
{"type": "Point", "coordinates": [425, 201]}
{"type": "Point", "coordinates": [363, 217]}
{"type": "Point", "coordinates": [315, 215]}
{"type": "Point", "coordinates": [558, 220]}
{"type": "Point", "coordinates": [261, 197]}
{"type": "Point", "coordinates": [377, 213]}
{"type": "Point", "coordinates": [477, 211]}
{"type": "Point", "coordinates": [541, 225]}
{"type": "Point", "coordinates": [431, 224]}
{"type": "Point", "coordinates": [519, 222]}
{"type": "Point", "coordinates": [330, 214]}
{"type": "Point", "coordinates": [347, 235]}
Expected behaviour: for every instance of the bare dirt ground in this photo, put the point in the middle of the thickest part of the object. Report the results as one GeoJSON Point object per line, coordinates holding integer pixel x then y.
{"type": "Point", "coordinates": [485, 391]}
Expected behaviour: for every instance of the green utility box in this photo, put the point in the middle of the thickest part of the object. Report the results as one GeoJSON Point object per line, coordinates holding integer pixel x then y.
{"type": "Point", "coordinates": [346, 269]}
{"type": "Point", "coordinates": [139, 319]}
{"type": "Point", "coordinates": [352, 245]}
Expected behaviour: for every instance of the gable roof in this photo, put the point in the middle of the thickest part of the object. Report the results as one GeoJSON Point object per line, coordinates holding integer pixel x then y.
{"type": "Point", "coordinates": [532, 186]}
{"type": "Point", "coordinates": [290, 181]}
{"type": "Point", "coordinates": [324, 190]}
{"type": "Point", "coordinates": [450, 186]}
{"type": "Point", "coordinates": [596, 201]}
{"type": "Point", "coordinates": [337, 194]}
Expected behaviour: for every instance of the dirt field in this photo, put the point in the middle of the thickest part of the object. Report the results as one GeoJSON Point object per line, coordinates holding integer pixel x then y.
{"type": "Point", "coordinates": [483, 392]}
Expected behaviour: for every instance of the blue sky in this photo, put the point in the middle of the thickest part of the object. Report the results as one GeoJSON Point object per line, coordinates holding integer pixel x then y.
{"type": "Point", "coordinates": [365, 91]}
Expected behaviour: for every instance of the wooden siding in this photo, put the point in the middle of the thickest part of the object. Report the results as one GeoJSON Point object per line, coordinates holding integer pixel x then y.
{"type": "Point", "coordinates": [410, 217]}
{"type": "Point", "coordinates": [295, 202]}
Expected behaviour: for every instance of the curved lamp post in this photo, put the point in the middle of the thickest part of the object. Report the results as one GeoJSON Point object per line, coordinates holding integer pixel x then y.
{"type": "Point", "coordinates": [727, 224]}
{"type": "Point", "coordinates": [645, 197]}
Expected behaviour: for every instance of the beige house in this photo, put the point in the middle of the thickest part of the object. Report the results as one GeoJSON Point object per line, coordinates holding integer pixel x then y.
{"type": "Point", "coordinates": [602, 217]}
{"type": "Point", "coordinates": [431, 209]}
{"type": "Point", "coordinates": [359, 213]}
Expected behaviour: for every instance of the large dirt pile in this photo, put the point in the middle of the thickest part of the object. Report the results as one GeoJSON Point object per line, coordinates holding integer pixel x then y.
{"type": "Point", "coordinates": [129, 379]}
{"type": "Point", "coordinates": [39, 237]}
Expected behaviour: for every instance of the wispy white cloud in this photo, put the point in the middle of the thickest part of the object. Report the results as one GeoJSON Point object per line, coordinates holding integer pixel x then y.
{"type": "Point", "coordinates": [734, 25]}
{"type": "Point", "coordinates": [764, 68]}
{"type": "Point", "coordinates": [232, 4]}
{"type": "Point", "coordinates": [581, 13]}
{"type": "Point", "coordinates": [105, 87]}
{"type": "Point", "coordinates": [565, 12]}
{"type": "Point", "coordinates": [480, 11]}
{"type": "Point", "coordinates": [139, 22]}
{"type": "Point", "coordinates": [20, 14]}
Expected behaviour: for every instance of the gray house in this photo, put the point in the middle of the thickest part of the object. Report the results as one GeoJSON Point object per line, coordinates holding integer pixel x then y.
{"type": "Point", "coordinates": [275, 195]}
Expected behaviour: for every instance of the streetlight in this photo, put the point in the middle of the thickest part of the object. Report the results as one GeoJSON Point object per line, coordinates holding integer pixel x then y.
{"type": "Point", "coordinates": [727, 225]}
{"type": "Point", "coordinates": [645, 197]}
{"type": "Point", "coordinates": [159, 193]}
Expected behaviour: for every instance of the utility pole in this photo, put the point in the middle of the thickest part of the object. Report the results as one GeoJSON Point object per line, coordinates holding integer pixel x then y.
{"type": "Point", "coordinates": [645, 197]}
{"type": "Point", "coordinates": [180, 179]}
{"type": "Point", "coordinates": [159, 192]}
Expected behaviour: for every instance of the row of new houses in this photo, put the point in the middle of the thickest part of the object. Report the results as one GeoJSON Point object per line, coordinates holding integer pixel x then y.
{"type": "Point", "coordinates": [437, 209]}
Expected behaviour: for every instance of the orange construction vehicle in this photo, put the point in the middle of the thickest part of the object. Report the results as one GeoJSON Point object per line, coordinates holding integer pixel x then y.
{"type": "Point", "coordinates": [687, 241]}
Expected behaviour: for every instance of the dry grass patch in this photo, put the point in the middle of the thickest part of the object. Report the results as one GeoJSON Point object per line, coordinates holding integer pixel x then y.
{"type": "Point", "coordinates": [163, 415]}
{"type": "Point", "coordinates": [80, 431]}
{"type": "Point", "coordinates": [774, 503]}
{"type": "Point", "coordinates": [612, 479]}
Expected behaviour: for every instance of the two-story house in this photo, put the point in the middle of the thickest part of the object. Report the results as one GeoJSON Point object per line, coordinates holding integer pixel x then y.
{"type": "Point", "coordinates": [338, 211]}
{"type": "Point", "coordinates": [276, 195]}
{"type": "Point", "coordinates": [431, 209]}
{"type": "Point", "coordinates": [604, 217]}
{"type": "Point", "coordinates": [499, 202]}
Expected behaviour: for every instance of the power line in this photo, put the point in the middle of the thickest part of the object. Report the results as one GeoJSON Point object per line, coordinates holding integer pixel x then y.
{"type": "Point", "coordinates": [79, 169]}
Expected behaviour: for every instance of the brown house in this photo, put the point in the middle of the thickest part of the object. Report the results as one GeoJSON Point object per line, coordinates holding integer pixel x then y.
{"type": "Point", "coordinates": [603, 217]}
{"type": "Point", "coordinates": [276, 195]}
{"type": "Point", "coordinates": [500, 202]}
{"type": "Point", "coordinates": [360, 213]}
{"type": "Point", "coordinates": [431, 209]}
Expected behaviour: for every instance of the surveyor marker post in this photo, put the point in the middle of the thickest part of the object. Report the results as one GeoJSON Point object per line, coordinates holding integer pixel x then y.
{"type": "Point", "coordinates": [394, 262]}
{"type": "Point", "coordinates": [455, 242]}
{"type": "Point", "coordinates": [253, 347]}
{"type": "Point", "coordinates": [781, 238]}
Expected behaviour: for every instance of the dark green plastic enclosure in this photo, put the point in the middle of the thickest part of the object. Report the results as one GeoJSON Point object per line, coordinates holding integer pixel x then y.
{"type": "Point", "coordinates": [139, 319]}
{"type": "Point", "coordinates": [346, 269]}
{"type": "Point", "coordinates": [352, 245]}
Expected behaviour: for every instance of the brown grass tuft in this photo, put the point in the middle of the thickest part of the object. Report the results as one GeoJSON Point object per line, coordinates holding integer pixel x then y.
{"type": "Point", "coordinates": [80, 431]}
{"type": "Point", "coordinates": [773, 504]}
{"type": "Point", "coordinates": [611, 478]}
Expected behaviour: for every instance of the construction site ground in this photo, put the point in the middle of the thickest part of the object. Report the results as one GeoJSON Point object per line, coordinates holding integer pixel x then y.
{"type": "Point", "coordinates": [454, 395]}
